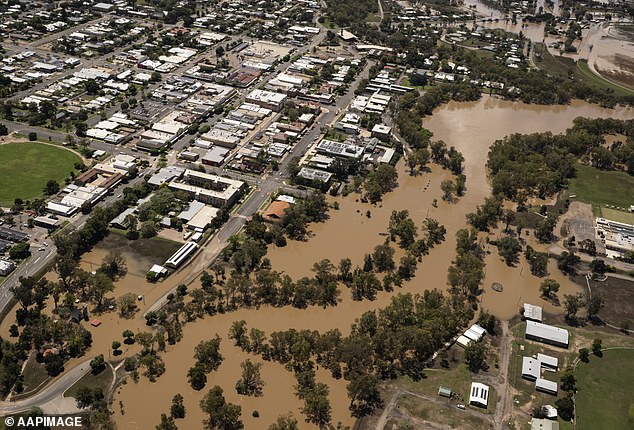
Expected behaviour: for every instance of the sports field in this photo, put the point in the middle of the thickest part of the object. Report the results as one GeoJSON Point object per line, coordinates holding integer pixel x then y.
{"type": "Point", "coordinates": [25, 168]}
{"type": "Point", "coordinates": [604, 397]}
{"type": "Point", "coordinates": [602, 187]}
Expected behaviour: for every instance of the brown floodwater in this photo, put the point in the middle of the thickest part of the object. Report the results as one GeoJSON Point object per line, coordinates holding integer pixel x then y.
{"type": "Point", "coordinates": [471, 127]}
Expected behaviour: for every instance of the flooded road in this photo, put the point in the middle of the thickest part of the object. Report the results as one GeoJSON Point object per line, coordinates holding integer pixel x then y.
{"type": "Point", "coordinates": [471, 127]}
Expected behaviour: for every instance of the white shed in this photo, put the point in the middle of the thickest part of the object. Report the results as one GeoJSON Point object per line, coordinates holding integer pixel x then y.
{"type": "Point", "coordinates": [479, 395]}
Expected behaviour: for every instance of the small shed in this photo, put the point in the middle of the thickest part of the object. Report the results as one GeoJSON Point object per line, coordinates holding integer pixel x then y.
{"type": "Point", "coordinates": [444, 392]}
{"type": "Point", "coordinates": [95, 323]}
{"type": "Point", "coordinates": [532, 312]}
{"type": "Point", "coordinates": [463, 341]}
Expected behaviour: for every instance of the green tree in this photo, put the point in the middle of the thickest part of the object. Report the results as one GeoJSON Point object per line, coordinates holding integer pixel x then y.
{"type": "Point", "coordinates": [285, 422]}
{"type": "Point", "coordinates": [177, 410]}
{"type": "Point", "coordinates": [52, 187]}
{"type": "Point", "coordinates": [448, 188]}
{"type": "Point", "coordinates": [572, 304]}
{"type": "Point", "coordinates": [509, 249]}
{"type": "Point", "coordinates": [549, 288]}
{"type": "Point", "coordinates": [250, 383]}
{"type": "Point", "coordinates": [98, 364]}
{"type": "Point", "coordinates": [207, 353]}
{"type": "Point", "coordinates": [167, 423]}
{"type": "Point", "coordinates": [20, 251]}
{"type": "Point", "coordinates": [584, 354]}
{"type": "Point", "coordinates": [220, 414]}
{"type": "Point", "coordinates": [475, 356]}
{"type": "Point", "coordinates": [196, 377]}
{"type": "Point", "coordinates": [364, 394]}
{"type": "Point", "coordinates": [565, 408]}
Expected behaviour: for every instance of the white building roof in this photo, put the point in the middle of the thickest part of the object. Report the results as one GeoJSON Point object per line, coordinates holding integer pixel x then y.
{"type": "Point", "coordinates": [533, 312]}
{"type": "Point", "coordinates": [463, 341]}
{"type": "Point", "coordinates": [548, 333]}
{"type": "Point", "coordinates": [478, 329]}
{"type": "Point", "coordinates": [531, 368]}
{"type": "Point", "coordinates": [546, 385]}
{"type": "Point", "coordinates": [479, 394]}
{"type": "Point", "coordinates": [548, 361]}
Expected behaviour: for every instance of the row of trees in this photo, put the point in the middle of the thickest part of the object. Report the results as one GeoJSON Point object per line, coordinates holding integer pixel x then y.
{"type": "Point", "coordinates": [398, 339]}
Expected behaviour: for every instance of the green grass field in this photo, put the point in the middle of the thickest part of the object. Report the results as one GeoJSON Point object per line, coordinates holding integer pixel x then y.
{"type": "Point", "coordinates": [26, 167]}
{"type": "Point", "coordinates": [602, 187]}
{"type": "Point", "coordinates": [101, 380]}
{"type": "Point", "coordinates": [565, 67]}
{"type": "Point", "coordinates": [604, 398]}
{"type": "Point", "coordinates": [584, 70]}
{"type": "Point", "coordinates": [617, 215]}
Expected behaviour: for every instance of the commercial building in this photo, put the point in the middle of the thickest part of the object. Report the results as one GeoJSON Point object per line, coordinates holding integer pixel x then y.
{"type": "Point", "coordinates": [202, 219]}
{"type": "Point", "coordinates": [165, 175]}
{"type": "Point", "coordinates": [6, 267]}
{"type": "Point", "coordinates": [12, 235]}
{"type": "Point", "coordinates": [479, 395]}
{"type": "Point", "coordinates": [339, 149]}
{"type": "Point", "coordinates": [211, 189]}
{"type": "Point", "coordinates": [547, 334]}
{"type": "Point", "coordinates": [314, 174]}
{"type": "Point", "coordinates": [267, 99]}
{"type": "Point", "coordinates": [215, 156]}
{"type": "Point", "coordinates": [382, 131]}
{"type": "Point", "coordinates": [47, 221]}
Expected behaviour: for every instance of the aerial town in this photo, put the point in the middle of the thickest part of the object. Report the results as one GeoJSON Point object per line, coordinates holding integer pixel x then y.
{"type": "Point", "coordinates": [320, 215]}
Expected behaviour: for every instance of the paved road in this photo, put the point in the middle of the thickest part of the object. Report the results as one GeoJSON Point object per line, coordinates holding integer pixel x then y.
{"type": "Point", "coordinates": [272, 182]}
{"type": "Point", "coordinates": [50, 398]}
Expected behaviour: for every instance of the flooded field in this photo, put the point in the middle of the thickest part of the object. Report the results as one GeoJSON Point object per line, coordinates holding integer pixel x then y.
{"type": "Point", "coordinates": [471, 127]}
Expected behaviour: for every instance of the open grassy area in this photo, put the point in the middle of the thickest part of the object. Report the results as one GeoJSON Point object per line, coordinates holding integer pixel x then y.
{"type": "Point", "coordinates": [617, 215]}
{"type": "Point", "coordinates": [101, 380]}
{"type": "Point", "coordinates": [454, 418]}
{"type": "Point", "coordinates": [562, 66]}
{"type": "Point", "coordinates": [604, 397]}
{"type": "Point", "coordinates": [602, 187]}
{"type": "Point", "coordinates": [457, 379]}
{"type": "Point", "coordinates": [34, 374]}
{"type": "Point", "coordinates": [588, 75]}
{"type": "Point", "coordinates": [26, 167]}
{"type": "Point", "coordinates": [618, 301]}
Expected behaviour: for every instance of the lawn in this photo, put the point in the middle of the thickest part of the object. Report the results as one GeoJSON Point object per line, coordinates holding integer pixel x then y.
{"type": "Point", "coordinates": [617, 215]}
{"type": "Point", "coordinates": [34, 374]}
{"type": "Point", "coordinates": [102, 380]}
{"type": "Point", "coordinates": [563, 66]}
{"type": "Point", "coordinates": [452, 417]}
{"type": "Point", "coordinates": [26, 167]}
{"type": "Point", "coordinates": [602, 187]}
{"type": "Point", "coordinates": [604, 394]}
{"type": "Point", "coordinates": [590, 76]}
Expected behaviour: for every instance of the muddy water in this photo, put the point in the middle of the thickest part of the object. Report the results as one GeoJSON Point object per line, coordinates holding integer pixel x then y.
{"type": "Point", "coordinates": [471, 127]}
